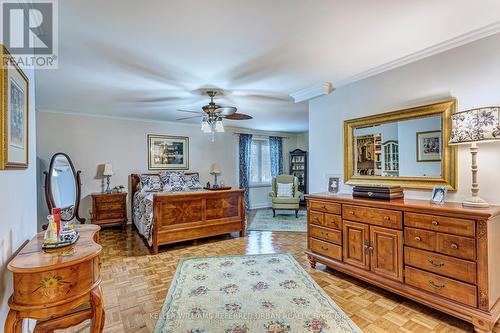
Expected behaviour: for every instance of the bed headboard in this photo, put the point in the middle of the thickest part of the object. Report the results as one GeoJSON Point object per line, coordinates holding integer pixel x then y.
{"type": "Point", "coordinates": [135, 179]}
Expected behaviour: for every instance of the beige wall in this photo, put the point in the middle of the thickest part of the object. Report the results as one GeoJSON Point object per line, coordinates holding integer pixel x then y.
{"type": "Point", "coordinates": [17, 208]}
{"type": "Point", "coordinates": [91, 141]}
{"type": "Point", "coordinates": [470, 73]}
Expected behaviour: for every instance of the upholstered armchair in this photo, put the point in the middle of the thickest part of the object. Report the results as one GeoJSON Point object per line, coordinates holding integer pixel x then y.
{"type": "Point", "coordinates": [285, 202]}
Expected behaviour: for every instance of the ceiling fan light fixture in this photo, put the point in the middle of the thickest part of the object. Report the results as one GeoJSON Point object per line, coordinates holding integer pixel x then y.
{"type": "Point", "coordinates": [219, 126]}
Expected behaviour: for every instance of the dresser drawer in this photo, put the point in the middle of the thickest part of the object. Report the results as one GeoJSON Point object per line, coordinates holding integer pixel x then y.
{"type": "Point", "coordinates": [330, 235]}
{"type": "Point", "coordinates": [381, 217]}
{"type": "Point", "coordinates": [106, 206]}
{"type": "Point", "coordinates": [422, 239]}
{"type": "Point", "coordinates": [458, 291]}
{"type": "Point", "coordinates": [448, 225]}
{"type": "Point", "coordinates": [327, 207]}
{"type": "Point", "coordinates": [459, 269]}
{"type": "Point", "coordinates": [325, 220]}
{"type": "Point", "coordinates": [316, 217]}
{"type": "Point", "coordinates": [326, 249]}
{"type": "Point", "coordinates": [110, 215]}
{"type": "Point", "coordinates": [333, 221]}
{"type": "Point", "coordinates": [108, 198]}
{"type": "Point", "coordinates": [461, 247]}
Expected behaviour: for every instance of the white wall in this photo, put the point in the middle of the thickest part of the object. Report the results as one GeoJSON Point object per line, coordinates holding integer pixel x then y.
{"type": "Point", "coordinates": [17, 207]}
{"type": "Point", "coordinates": [91, 141]}
{"type": "Point", "coordinates": [470, 73]}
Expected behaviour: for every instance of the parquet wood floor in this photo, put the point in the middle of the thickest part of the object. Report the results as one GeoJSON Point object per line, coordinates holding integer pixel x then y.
{"type": "Point", "coordinates": [135, 284]}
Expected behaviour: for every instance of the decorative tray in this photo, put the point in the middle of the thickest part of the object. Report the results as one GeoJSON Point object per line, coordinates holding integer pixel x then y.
{"type": "Point", "coordinates": [71, 241]}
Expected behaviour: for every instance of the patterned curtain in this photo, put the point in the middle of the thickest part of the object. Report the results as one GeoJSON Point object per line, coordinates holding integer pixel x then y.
{"type": "Point", "coordinates": [276, 148]}
{"type": "Point", "coordinates": [245, 155]}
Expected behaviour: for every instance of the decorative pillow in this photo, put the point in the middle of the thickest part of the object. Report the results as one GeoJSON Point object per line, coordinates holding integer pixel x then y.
{"type": "Point", "coordinates": [285, 190]}
{"type": "Point", "coordinates": [174, 181]}
{"type": "Point", "coordinates": [151, 183]}
{"type": "Point", "coordinates": [193, 181]}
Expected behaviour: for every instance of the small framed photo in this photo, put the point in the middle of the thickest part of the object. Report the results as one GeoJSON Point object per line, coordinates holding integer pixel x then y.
{"type": "Point", "coordinates": [333, 184]}
{"type": "Point", "coordinates": [439, 194]}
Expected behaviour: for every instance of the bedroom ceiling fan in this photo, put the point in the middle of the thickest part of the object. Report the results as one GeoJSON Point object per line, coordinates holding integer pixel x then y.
{"type": "Point", "coordinates": [212, 115]}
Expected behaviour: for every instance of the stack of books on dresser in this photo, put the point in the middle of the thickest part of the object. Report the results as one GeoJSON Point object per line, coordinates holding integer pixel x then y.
{"type": "Point", "coordinates": [378, 192]}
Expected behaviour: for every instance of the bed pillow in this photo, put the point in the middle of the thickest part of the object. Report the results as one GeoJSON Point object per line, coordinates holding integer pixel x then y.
{"type": "Point", "coordinates": [174, 181]}
{"type": "Point", "coordinates": [151, 183]}
{"type": "Point", "coordinates": [285, 190]}
{"type": "Point", "coordinates": [193, 181]}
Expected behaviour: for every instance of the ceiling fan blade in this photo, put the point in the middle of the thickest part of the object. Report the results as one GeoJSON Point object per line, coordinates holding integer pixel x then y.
{"type": "Point", "coordinates": [192, 117]}
{"type": "Point", "coordinates": [188, 111]}
{"type": "Point", "coordinates": [227, 110]}
{"type": "Point", "coordinates": [238, 116]}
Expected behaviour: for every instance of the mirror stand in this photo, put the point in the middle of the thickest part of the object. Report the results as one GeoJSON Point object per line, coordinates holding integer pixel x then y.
{"type": "Point", "coordinates": [75, 176]}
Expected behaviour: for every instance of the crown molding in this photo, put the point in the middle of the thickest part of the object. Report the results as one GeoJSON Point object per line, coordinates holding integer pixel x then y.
{"type": "Point", "coordinates": [312, 92]}
{"type": "Point", "coordinates": [449, 44]}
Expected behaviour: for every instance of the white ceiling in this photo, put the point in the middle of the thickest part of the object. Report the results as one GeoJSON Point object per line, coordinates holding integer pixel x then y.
{"type": "Point", "coordinates": [145, 59]}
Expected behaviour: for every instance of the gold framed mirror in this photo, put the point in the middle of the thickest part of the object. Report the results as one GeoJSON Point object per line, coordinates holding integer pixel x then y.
{"type": "Point", "coordinates": [407, 147]}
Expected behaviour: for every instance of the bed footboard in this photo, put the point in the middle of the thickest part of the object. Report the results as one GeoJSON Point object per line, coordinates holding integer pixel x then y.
{"type": "Point", "coordinates": [186, 216]}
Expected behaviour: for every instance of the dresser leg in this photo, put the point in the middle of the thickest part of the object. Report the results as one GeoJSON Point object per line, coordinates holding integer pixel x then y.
{"type": "Point", "coordinates": [481, 326]}
{"type": "Point", "coordinates": [97, 310]}
{"type": "Point", "coordinates": [13, 323]}
{"type": "Point", "coordinates": [312, 262]}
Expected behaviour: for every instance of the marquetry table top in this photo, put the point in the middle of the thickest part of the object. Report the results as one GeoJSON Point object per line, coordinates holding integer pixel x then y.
{"type": "Point", "coordinates": [32, 258]}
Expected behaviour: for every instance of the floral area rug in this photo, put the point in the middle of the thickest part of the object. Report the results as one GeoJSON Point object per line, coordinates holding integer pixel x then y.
{"type": "Point", "coordinates": [269, 293]}
{"type": "Point", "coordinates": [285, 220]}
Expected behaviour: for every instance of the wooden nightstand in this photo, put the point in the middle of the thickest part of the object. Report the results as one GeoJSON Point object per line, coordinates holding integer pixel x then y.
{"type": "Point", "coordinates": [109, 209]}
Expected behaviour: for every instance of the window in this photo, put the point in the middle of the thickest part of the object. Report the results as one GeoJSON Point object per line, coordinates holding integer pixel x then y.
{"type": "Point", "coordinates": [260, 163]}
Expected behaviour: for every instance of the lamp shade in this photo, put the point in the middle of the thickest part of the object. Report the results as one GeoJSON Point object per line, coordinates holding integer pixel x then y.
{"type": "Point", "coordinates": [108, 170]}
{"type": "Point", "coordinates": [482, 124]}
{"type": "Point", "coordinates": [215, 169]}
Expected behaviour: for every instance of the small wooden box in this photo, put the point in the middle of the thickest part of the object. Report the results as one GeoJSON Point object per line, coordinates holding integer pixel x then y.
{"type": "Point", "coordinates": [109, 209]}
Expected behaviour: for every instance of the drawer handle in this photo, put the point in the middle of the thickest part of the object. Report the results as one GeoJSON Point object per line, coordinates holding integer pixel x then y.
{"type": "Point", "coordinates": [435, 223]}
{"type": "Point", "coordinates": [454, 246]}
{"type": "Point", "coordinates": [439, 264]}
{"type": "Point", "coordinates": [366, 246]}
{"type": "Point", "coordinates": [435, 286]}
{"type": "Point", "coordinates": [324, 207]}
{"type": "Point", "coordinates": [324, 248]}
{"type": "Point", "coordinates": [351, 212]}
{"type": "Point", "coordinates": [418, 239]}
{"type": "Point", "coordinates": [386, 218]}
{"type": "Point", "coordinates": [324, 234]}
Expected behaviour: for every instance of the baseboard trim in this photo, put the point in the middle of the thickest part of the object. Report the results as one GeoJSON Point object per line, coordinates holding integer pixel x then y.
{"type": "Point", "coordinates": [264, 205]}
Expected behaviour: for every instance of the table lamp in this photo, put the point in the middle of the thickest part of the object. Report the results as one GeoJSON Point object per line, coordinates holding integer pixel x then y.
{"type": "Point", "coordinates": [215, 170]}
{"type": "Point", "coordinates": [108, 172]}
{"type": "Point", "coordinates": [472, 127]}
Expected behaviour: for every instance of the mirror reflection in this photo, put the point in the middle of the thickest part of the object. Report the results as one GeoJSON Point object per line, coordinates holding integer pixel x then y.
{"type": "Point", "coordinates": [406, 148]}
{"type": "Point", "coordinates": [63, 184]}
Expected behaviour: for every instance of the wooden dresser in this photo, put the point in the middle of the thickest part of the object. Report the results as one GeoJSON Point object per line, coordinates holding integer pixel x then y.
{"type": "Point", "coordinates": [444, 256]}
{"type": "Point", "coordinates": [59, 288]}
{"type": "Point", "coordinates": [109, 209]}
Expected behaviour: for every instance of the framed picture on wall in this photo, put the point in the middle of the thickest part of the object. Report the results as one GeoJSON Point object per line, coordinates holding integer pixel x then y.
{"type": "Point", "coordinates": [429, 146]}
{"type": "Point", "coordinates": [14, 110]}
{"type": "Point", "coordinates": [168, 152]}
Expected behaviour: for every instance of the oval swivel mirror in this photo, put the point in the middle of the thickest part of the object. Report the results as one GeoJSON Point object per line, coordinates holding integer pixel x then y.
{"type": "Point", "coordinates": [62, 187]}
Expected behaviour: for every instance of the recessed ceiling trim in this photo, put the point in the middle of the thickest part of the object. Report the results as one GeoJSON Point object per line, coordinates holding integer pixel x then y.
{"type": "Point", "coordinates": [449, 44]}
{"type": "Point", "coordinates": [312, 92]}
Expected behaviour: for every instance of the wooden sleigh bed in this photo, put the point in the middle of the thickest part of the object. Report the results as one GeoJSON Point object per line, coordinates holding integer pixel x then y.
{"type": "Point", "coordinates": [192, 215]}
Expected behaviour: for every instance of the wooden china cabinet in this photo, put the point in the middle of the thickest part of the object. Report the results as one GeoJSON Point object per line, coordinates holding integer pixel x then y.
{"type": "Point", "coordinates": [443, 256]}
